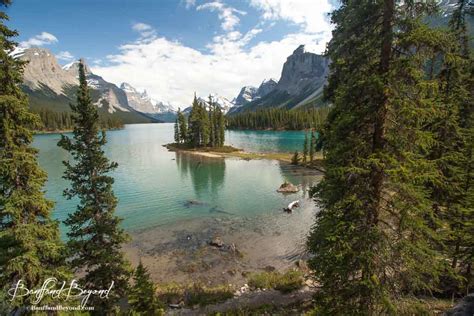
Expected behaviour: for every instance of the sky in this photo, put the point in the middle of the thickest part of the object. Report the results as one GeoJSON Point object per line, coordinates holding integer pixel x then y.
{"type": "Point", "coordinates": [174, 48]}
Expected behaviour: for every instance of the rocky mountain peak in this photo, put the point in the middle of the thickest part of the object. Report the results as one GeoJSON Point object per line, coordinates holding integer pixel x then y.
{"type": "Point", "coordinates": [301, 70]}
{"type": "Point", "coordinates": [300, 50]}
{"type": "Point", "coordinates": [44, 70]}
{"type": "Point", "coordinates": [73, 67]}
{"type": "Point", "coordinates": [266, 87]}
{"type": "Point", "coordinates": [246, 94]}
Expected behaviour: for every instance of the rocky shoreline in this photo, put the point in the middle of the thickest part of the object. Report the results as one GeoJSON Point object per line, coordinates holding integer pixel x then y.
{"type": "Point", "coordinates": [223, 249]}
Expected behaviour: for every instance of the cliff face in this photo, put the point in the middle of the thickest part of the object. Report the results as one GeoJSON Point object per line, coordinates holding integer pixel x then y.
{"type": "Point", "coordinates": [303, 77]}
{"type": "Point", "coordinates": [43, 70]}
{"type": "Point", "coordinates": [303, 69]}
{"type": "Point", "coordinates": [138, 100]}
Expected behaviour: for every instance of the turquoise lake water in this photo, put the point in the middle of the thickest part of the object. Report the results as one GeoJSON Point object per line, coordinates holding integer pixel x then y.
{"type": "Point", "coordinates": [157, 187]}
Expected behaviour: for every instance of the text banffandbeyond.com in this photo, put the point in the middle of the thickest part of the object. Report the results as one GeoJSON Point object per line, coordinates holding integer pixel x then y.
{"type": "Point", "coordinates": [60, 308]}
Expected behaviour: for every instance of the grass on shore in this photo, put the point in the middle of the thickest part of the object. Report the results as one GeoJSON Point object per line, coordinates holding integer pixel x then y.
{"type": "Point", "coordinates": [287, 282]}
{"type": "Point", "coordinates": [194, 294]}
{"type": "Point", "coordinates": [229, 151]}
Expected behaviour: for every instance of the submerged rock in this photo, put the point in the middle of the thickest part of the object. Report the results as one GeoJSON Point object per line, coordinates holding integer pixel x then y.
{"type": "Point", "coordinates": [216, 242]}
{"type": "Point", "coordinates": [288, 187]}
{"type": "Point", "coordinates": [190, 203]}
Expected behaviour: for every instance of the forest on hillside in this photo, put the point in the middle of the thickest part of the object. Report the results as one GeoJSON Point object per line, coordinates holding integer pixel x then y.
{"type": "Point", "coordinates": [279, 119]}
{"type": "Point", "coordinates": [53, 121]}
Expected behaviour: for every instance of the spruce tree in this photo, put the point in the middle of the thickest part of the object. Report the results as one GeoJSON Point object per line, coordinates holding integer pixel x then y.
{"type": "Point", "coordinates": [373, 240]}
{"type": "Point", "coordinates": [177, 135]}
{"type": "Point", "coordinates": [95, 235]}
{"type": "Point", "coordinates": [194, 124]}
{"type": "Point", "coordinates": [452, 194]}
{"type": "Point", "coordinates": [205, 125]}
{"type": "Point", "coordinates": [30, 245]}
{"type": "Point", "coordinates": [295, 159]}
{"type": "Point", "coordinates": [220, 118]}
{"type": "Point", "coordinates": [142, 298]}
{"type": "Point", "coordinates": [305, 147]}
{"type": "Point", "coordinates": [183, 128]}
{"type": "Point", "coordinates": [212, 123]}
{"type": "Point", "coordinates": [312, 146]}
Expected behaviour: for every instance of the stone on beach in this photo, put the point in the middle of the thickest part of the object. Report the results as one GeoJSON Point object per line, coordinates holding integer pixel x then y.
{"type": "Point", "coordinates": [288, 187]}
{"type": "Point", "coordinates": [216, 242]}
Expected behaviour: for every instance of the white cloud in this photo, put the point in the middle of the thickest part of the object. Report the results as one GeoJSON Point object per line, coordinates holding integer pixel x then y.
{"type": "Point", "coordinates": [227, 15]}
{"type": "Point", "coordinates": [189, 3]}
{"type": "Point", "coordinates": [65, 55]}
{"type": "Point", "coordinates": [172, 72]}
{"type": "Point", "coordinates": [310, 14]}
{"type": "Point", "coordinates": [140, 27]}
{"type": "Point", "coordinates": [145, 30]}
{"type": "Point", "coordinates": [44, 38]}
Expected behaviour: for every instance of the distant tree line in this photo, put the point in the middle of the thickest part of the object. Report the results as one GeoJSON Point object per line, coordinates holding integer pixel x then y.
{"type": "Point", "coordinates": [278, 119]}
{"type": "Point", "coordinates": [205, 127]}
{"type": "Point", "coordinates": [62, 121]}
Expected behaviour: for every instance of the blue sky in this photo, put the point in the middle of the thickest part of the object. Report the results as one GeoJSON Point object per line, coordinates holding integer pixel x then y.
{"type": "Point", "coordinates": [172, 48]}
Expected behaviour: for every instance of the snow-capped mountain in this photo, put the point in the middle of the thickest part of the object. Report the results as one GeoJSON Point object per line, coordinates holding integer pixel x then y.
{"type": "Point", "coordinates": [43, 70]}
{"type": "Point", "coordinates": [50, 85]}
{"type": "Point", "coordinates": [248, 93]}
{"type": "Point", "coordinates": [222, 102]}
{"type": "Point", "coordinates": [142, 102]}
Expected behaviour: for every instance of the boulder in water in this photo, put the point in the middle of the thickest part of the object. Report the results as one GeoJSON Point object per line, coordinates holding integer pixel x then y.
{"type": "Point", "coordinates": [288, 187]}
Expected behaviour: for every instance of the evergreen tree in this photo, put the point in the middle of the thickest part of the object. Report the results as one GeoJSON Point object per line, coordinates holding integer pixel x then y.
{"type": "Point", "coordinates": [205, 128]}
{"type": "Point", "coordinates": [220, 127]}
{"type": "Point", "coordinates": [373, 240]}
{"type": "Point", "coordinates": [183, 128]}
{"type": "Point", "coordinates": [295, 159]}
{"type": "Point", "coordinates": [312, 146]}
{"type": "Point", "coordinates": [279, 119]}
{"type": "Point", "coordinates": [95, 236]}
{"type": "Point", "coordinates": [177, 135]}
{"type": "Point", "coordinates": [452, 195]}
{"type": "Point", "coordinates": [212, 123]}
{"type": "Point", "coordinates": [30, 246]}
{"type": "Point", "coordinates": [305, 147]}
{"type": "Point", "coordinates": [205, 125]}
{"type": "Point", "coordinates": [142, 298]}
{"type": "Point", "coordinates": [194, 124]}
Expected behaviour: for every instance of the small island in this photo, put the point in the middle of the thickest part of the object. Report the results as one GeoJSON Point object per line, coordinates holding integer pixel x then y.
{"type": "Point", "coordinates": [203, 134]}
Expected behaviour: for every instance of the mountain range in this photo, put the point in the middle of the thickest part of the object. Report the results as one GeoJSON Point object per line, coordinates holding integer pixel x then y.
{"type": "Point", "coordinates": [52, 87]}
{"type": "Point", "coordinates": [303, 76]}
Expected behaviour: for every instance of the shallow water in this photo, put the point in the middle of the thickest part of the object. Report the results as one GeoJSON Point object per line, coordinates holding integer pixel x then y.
{"type": "Point", "coordinates": [157, 187]}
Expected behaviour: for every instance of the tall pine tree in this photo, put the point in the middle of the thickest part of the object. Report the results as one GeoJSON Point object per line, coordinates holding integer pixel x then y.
{"type": "Point", "coordinates": [183, 128]}
{"type": "Point", "coordinates": [373, 240]}
{"type": "Point", "coordinates": [195, 124]}
{"type": "Point", "coordinates": [95, 236]}
{"type": "Point", "coordinates": [177, 134]}
{"type": "Point", "coordinates": [452, 194]}
{"type": "Point", "coordinates": [305, 147]}
{"type": "Point", "coordinates": [30, 246]}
